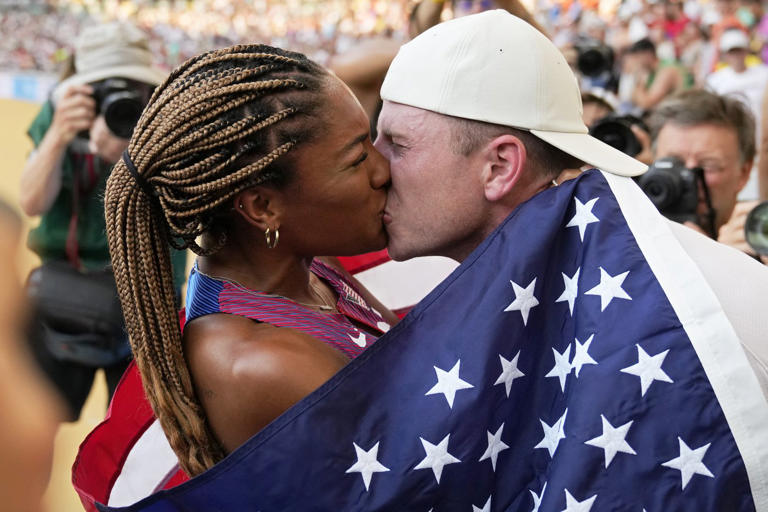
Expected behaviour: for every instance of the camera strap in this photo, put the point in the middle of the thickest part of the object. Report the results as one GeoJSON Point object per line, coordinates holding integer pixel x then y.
{"type": "Point", "coordinates": [710, 215]}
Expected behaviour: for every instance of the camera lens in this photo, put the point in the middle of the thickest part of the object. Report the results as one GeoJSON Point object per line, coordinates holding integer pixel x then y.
{"type": "Point", "coordinates": [756, 228]}
{"type": "Point", "coordinates": [616, 131]}
{"type": "Point", "coordinates": [662, 189]}
{"type": "Point", "coordinates": [121, 112]}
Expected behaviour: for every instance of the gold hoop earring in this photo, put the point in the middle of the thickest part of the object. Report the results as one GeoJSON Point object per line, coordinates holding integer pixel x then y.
{"type": "Point", "coordinates": [272, 237]}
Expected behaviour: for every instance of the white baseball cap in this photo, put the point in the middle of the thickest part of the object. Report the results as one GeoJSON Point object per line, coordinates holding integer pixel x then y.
{"type": "Point", "coordinates": [494, 67]}
{"type": "Point", "coordinates": [112, 50]}
{"type": "Point", "coordinates": [733, 39]}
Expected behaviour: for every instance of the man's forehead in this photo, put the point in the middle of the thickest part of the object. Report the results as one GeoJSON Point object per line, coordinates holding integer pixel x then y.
{"type": "Point", "coordinates": [405, 119]}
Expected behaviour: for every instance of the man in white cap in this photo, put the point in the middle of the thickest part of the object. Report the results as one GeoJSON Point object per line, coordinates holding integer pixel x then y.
{"type": "Point", "coordinates": [480, 115]}
{"type": "Point", "coordinates": [737, 77]}
{"type": "Point", "coordinates": [78, 135]}
{"type": "Point", "coordinates": [477, 120]}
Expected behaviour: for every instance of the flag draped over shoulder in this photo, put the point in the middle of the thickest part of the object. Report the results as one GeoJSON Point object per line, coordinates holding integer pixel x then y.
{"type": "Point", "coordinates": [575, 361]}
{"type": "Point", "coordinates": [127, 456]}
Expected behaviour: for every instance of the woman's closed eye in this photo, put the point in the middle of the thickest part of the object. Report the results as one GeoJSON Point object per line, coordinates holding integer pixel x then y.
{"type": "Point", "coordinates": [360, 159]}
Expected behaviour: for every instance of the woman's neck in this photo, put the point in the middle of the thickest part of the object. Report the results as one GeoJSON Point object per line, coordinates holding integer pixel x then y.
{"type": "Point", "coordinates": [271, 271]}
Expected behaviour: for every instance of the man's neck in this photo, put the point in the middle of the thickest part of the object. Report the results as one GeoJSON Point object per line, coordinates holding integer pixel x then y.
{"type": "Point", "coordinates": [497, 215]}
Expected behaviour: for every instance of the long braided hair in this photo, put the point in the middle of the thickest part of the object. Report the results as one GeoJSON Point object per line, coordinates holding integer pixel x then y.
{"type": "Point", "coordinates": [222, 122]}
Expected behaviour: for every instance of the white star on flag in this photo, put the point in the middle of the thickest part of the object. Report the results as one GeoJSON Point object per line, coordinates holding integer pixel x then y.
{"type": "Point", "coordinates": [609, 288]}
{"type": "Point", "coordinates": [524, 299]}
{"type": "Point", "coordinates": [571, 289]}
{"type": "Point", "coordinates": [437, 457]}
{"type": "Point", "coordinates": [552, 435]}
{"type": "Point", "coordinates": [509, 372]}
{"type": "Point", "coordinates": [360, 340]}
{"type": "Point", "coordinates": [581, 355]}
{"type": "Point", "coordinates": [495, 445]}
{"type": "Point", "coordinates": [583, 216]}
{"type": "Point", "coordinates": [648, 368]}
{"type": "Point", "coordinates": [689, 462]}
{"type": "Point", "coordinates": [367, 464]}
{"type": "Point", "coordinates": [612, 440]}
{"type": "Point", "coordinates": [562, 367]}
{"type": "Point", "coordinates": [383, 326]}
{"type": "Point", "coordinates": [448, 383]}
{"type": "Point", "coordinates": [537, 498]}
{"type": "Point", "coordinates": [571, 505]}
{"type": "Point", "coordinates": [486, 507]}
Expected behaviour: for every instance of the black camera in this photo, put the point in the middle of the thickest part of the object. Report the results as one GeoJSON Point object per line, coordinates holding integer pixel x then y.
{"type": "Point", "coordinates": [756, 228]}
{"type": "Point", "coordinates": [616, 131]}
{"type": "Point", "coordinates": [121, 102]}
{"type": "Point", "coordinates": [673, 188]}
{"type": "Point", "coordinates": [594, 57]}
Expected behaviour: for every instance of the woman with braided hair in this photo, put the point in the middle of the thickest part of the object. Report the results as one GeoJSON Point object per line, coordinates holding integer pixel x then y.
{"type": "Point", "coordinates": [258, 160]}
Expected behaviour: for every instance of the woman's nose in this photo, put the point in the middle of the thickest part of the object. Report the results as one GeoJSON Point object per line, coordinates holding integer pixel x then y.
{"type": "Point", "coordinates": [379, 169]}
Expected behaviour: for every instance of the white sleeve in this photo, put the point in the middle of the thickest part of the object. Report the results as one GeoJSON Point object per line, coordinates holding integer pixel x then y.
{"type": "Point", "coordinates": [741, 285]}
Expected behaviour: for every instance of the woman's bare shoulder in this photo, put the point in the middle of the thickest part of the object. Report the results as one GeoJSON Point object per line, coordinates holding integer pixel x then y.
{"type": "Point", "coordinates": [247, 373]}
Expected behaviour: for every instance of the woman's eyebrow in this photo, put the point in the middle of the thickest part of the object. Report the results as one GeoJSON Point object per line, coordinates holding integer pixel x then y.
{"type": "Point", "coordinates": [357, 140]}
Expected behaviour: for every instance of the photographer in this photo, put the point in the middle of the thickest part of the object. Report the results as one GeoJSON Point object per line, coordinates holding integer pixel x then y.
{"type": "Point", "coordinates": [717, 134]}
{"type": "Point", "coordinates": [77, 324]}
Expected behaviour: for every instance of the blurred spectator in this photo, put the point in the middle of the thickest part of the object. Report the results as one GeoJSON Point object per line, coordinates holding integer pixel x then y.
{"type": "Point", "coordinates": [673, 20]}
{"type": "Point", "coordinates": [596, 104]}
{"type": "Point", "coordinates": [77, 324]}
{"type": "Point", "coordinates": [728, 19]}
{"type": "Point", "coordinates": [717, 134]}
{"type": "Point", "coordinates": [30, 408]}
{"type": "Point", "coordinates": [737, 77]}
{"type": "Point", "coordinates": [747, 82]}
{"type": "Point", "coordinates": [652, 79]}
{"type": "Point", "coordinates": [427, 13]}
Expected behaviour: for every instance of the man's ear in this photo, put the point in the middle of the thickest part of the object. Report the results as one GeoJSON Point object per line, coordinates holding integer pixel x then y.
{"type": "Point", "coordinates": [506, 157]}
{"type": "Point", "coordinates": [260, 207]}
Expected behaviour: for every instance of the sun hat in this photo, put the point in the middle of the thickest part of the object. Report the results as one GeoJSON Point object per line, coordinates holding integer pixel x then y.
{"type": "Point", "coordinates": [494, 67]}
{"type": "Point", "coordinates": [733, 39]}
{"type": "Point", "coordinates": [112, 50]}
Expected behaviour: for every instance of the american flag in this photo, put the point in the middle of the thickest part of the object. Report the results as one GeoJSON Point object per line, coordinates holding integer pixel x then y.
{"type": "Point", "coordinates": [573, 362]}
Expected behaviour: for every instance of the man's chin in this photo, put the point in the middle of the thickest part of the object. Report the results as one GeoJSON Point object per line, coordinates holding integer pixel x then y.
{"type": "Point", "coordinates": [396, 253]}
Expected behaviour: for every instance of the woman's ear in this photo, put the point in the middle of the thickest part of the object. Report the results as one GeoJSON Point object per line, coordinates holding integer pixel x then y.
{"type": "Point", "coordinates": [260, 207]}
{"type": "Point", "coordinates": [505, 162]}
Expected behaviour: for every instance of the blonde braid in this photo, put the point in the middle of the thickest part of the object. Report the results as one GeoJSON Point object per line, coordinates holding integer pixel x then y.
{"type": "Point", "coordinates": [219, 124]}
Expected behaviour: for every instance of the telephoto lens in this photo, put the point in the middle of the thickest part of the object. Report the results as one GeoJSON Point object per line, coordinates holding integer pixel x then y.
{"type": "Point", "coordinates": [756, 228]}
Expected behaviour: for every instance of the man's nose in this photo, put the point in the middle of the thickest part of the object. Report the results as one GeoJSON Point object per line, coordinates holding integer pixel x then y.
{"type": "Point", "coordinates": [691, 163]}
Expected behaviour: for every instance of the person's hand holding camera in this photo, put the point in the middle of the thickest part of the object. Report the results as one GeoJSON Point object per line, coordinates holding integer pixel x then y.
{"type": "Point", "coordinates": [732, 232]}
{"type": "Point", "coordinates": [644, 138]}
{"type": "Point", "coordinates": [74, 113]}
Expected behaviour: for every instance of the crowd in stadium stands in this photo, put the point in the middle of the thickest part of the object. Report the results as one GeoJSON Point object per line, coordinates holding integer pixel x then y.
{"type": "Point", "coordinates": [40, 38]}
